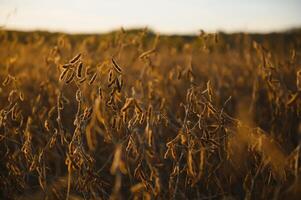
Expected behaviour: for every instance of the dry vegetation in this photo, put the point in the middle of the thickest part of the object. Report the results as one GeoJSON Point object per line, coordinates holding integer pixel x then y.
{"type": "Point", "coordinates": [134, 115]}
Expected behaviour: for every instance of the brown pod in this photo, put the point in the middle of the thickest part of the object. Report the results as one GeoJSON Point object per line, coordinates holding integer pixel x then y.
{"type": "Point", "coordinates": [76, 58]}
{"type": "Point", "coordinates": [116, 66]}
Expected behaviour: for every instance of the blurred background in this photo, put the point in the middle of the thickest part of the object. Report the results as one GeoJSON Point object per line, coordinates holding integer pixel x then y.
{"type": "Point", "coordinates": [165, 16]}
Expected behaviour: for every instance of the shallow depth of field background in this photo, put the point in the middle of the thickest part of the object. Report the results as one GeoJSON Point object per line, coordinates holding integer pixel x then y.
{"type": "Point", "coordinates": [150, 100]}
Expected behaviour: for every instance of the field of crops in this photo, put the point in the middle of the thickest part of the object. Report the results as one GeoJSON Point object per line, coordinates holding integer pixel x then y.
{"type": "Point", "coordinates": [136, 115]}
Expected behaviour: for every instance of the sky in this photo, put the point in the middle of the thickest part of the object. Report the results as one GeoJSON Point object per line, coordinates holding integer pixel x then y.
{"type": "Point", "coordinates": [164, 16]}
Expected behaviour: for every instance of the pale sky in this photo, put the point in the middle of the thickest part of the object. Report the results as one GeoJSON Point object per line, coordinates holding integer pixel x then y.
{"type": "Point", "coordinates": [165, 16]}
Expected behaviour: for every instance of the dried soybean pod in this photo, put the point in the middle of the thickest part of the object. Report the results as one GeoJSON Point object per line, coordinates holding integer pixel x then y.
{"type": "Point", "coordinates": [70, 78]}
{"type": "Point", "coordinates": [118, 84]}
{"type": "Point", "coordinates": [76, 58]}
{"type": "Point", "coordinates": [141, 120]}
{"type": "Point", "coordinates": [116, 66]}
{"type": "Point", "coordinates": [78, 95]}
{"type": "Point", "coordinates": [82, 80]}
{"type": "Point", "coordinates": [21, 96]}
{"type": "Point", "coordinates": [6, 81]}
{"type": "Point", "coordinates": [110, 77]}
{"type": "Point", "coordinates": [100, 92]}
{"type": "Point", "coordinates": [293, 99]}
{"type": "Point", "coordinates": [79, 70]}
{"type": "Point", "coordinates": [137, 106]}
{"type": "Point", "coordinates": [111, 83]}
{"type": "Point", "coordinates": [65, 66]}
{"type": "Point", "coordinates": [147, 53]}
{"type": "Point", "coordinates": [127, 104]}
{"type": "Point", "coordinates": [92, 79]}
{"type": "Point", "coordinates": [63, 74]}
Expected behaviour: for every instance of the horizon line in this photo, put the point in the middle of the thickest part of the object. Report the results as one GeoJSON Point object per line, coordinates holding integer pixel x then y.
{"type": "Point", "coordinates": [150, 29]}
